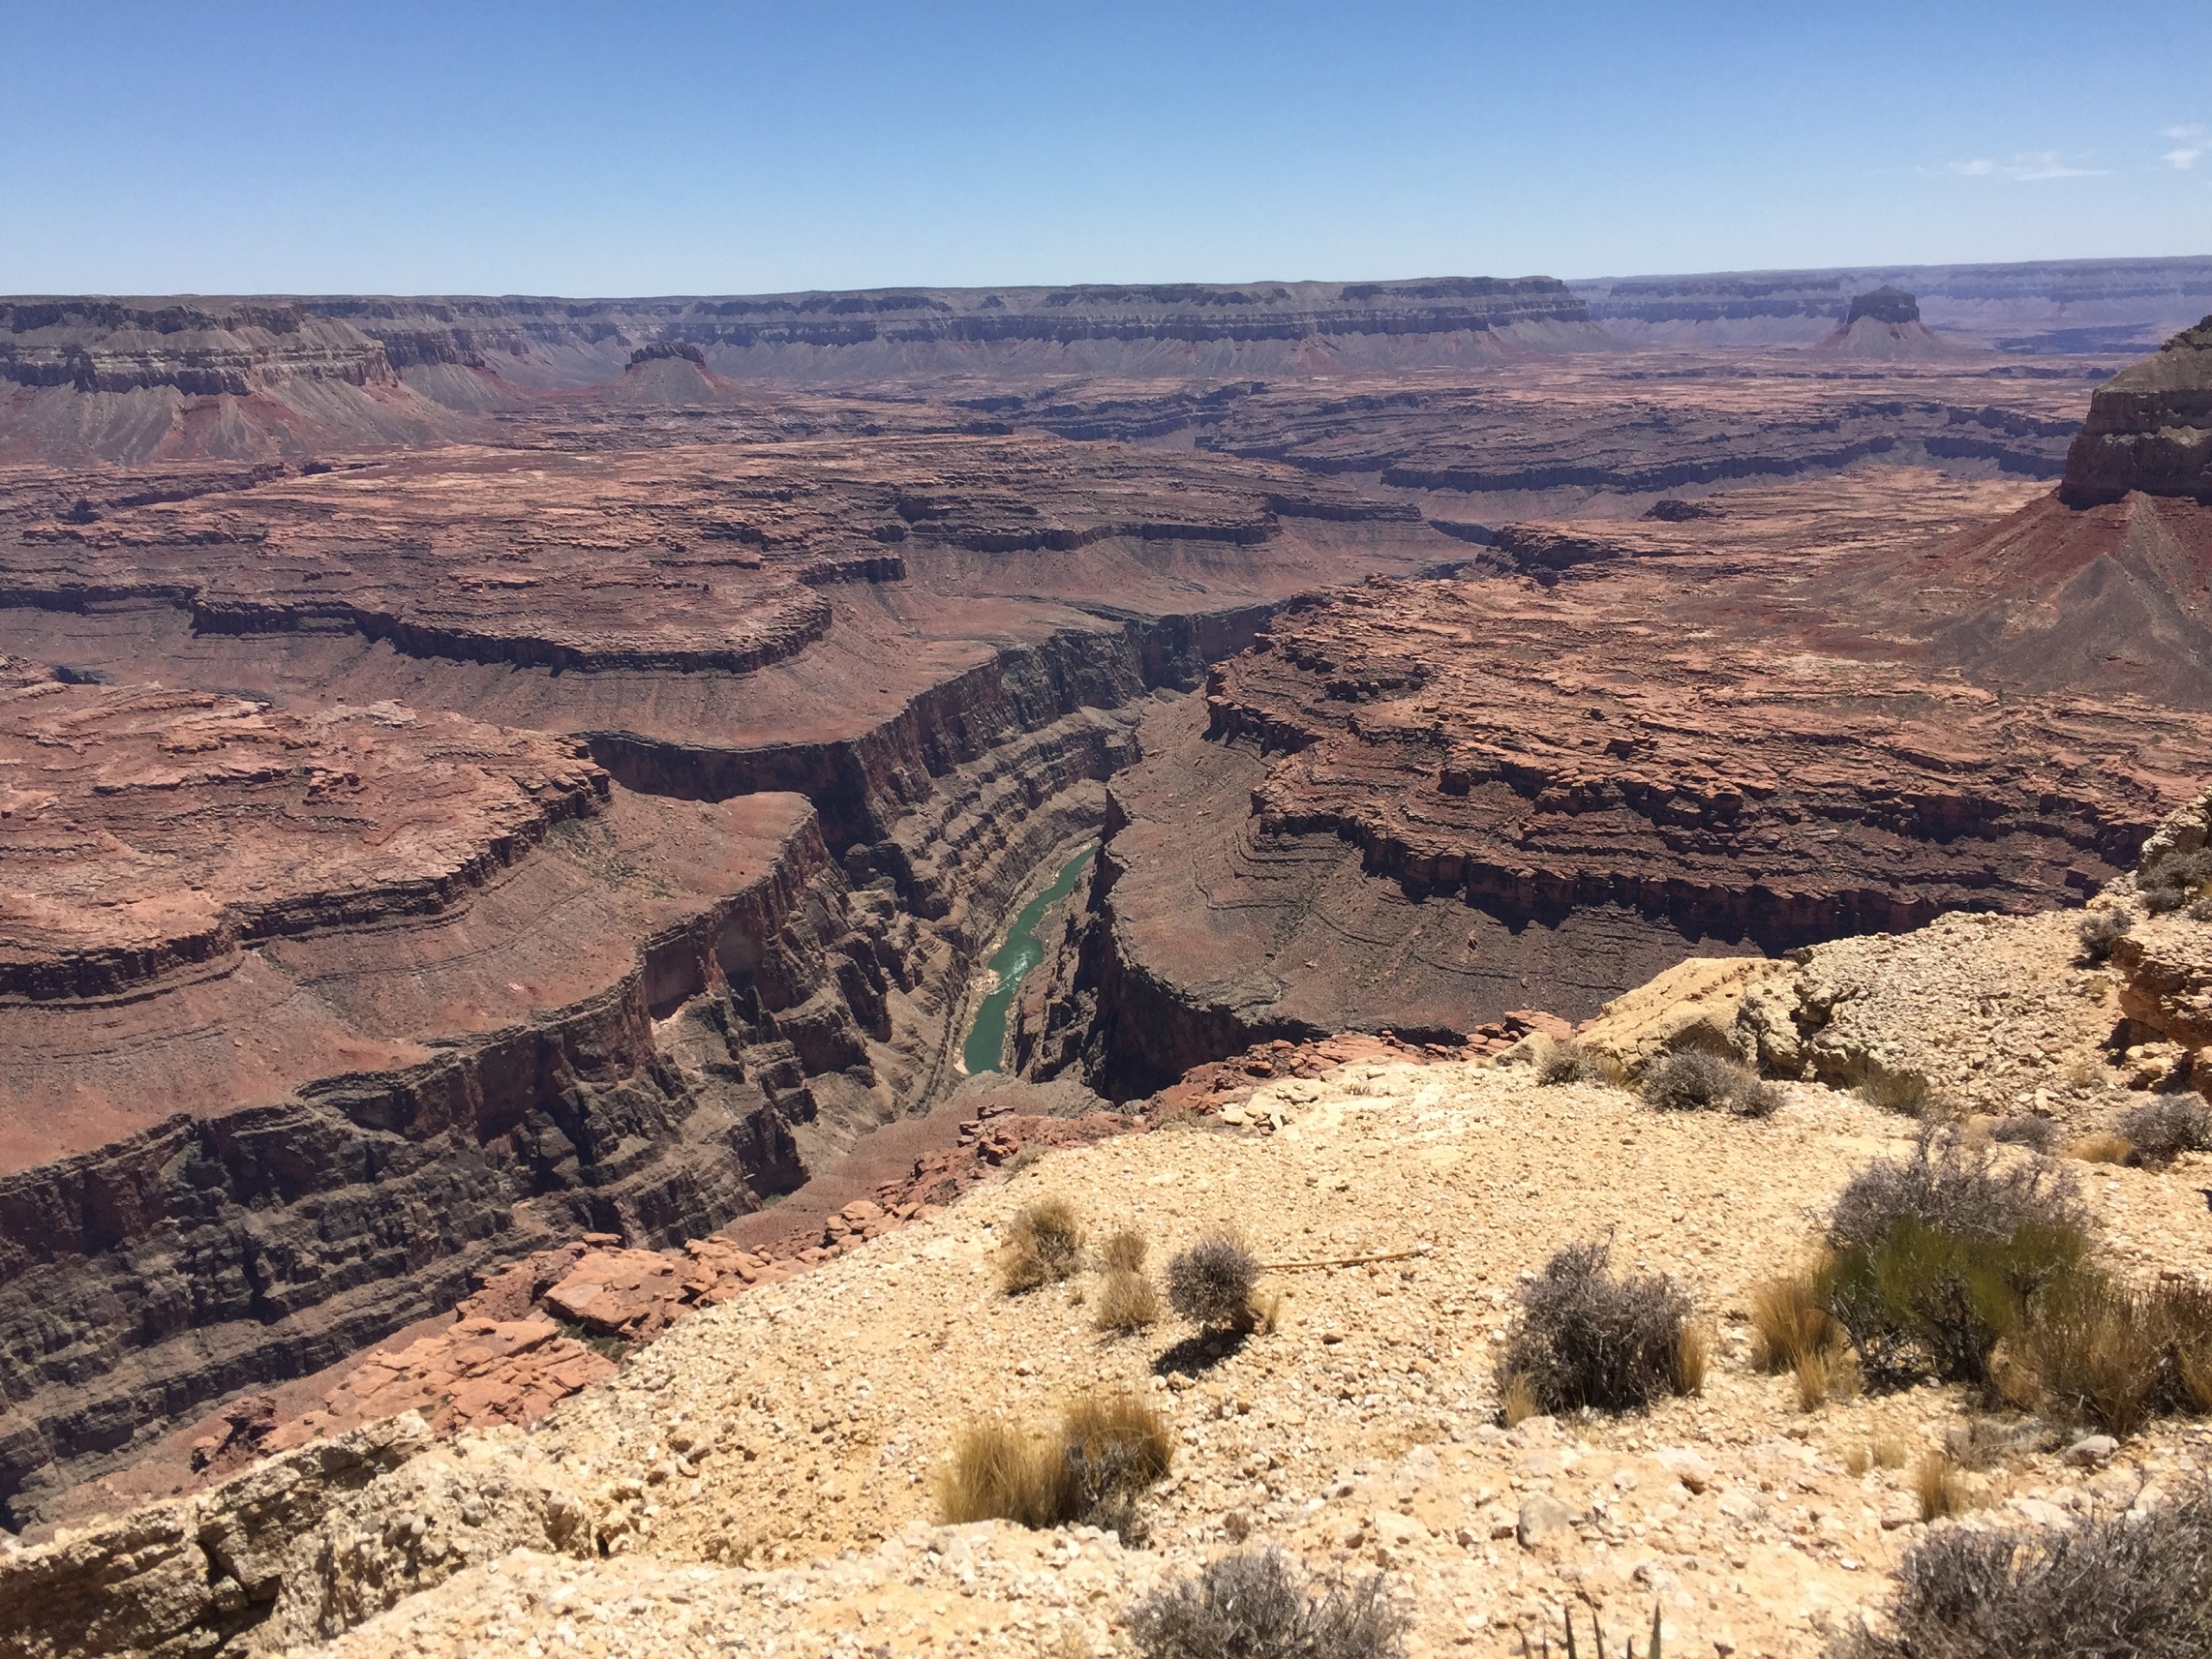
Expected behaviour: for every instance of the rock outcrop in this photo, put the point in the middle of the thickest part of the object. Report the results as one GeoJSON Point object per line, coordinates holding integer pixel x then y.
{"type": "Point", "coordinates": [1422, 804]}
{"type": "Point", "coordinates": [2150, 428]}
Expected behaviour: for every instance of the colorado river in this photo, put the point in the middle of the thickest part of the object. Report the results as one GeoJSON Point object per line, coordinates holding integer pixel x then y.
{"type": "Point", "coordinates": [987, 1037]}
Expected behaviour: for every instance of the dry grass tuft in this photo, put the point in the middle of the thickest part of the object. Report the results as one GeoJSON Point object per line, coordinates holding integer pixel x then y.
{"type": "Point", "coordinates": [1001, 1471]}
{"type": "Point", "coordinates": [1811, 1371]}
{"type": "Point", "coordinates": [1788, 1322]}
{"type": "Point", "coordinates": [1889, 1452]}
{"type": "Point", "coordinates": [2103, 1147]}
{"type": "Point", "coordinates": [1693, 1357]}
{"type": "Point", "coordinates": [1127, 1302]}
{"type": "Point", "coordinates": [2093, 1355]}
{"type": "Point", "coordinates": [1940, 1488]}
{"type": "Point", "coordinates": [1043, 1246]}
{"type": "Point", "coordinates": [1519, 1401]}
{"type": "Point", "coordinates": [1109, 1446]}
{"type": "Point", "coordinates": [1125, 1251]}
{"type": "Point", "coordinates": [1858, 1461]}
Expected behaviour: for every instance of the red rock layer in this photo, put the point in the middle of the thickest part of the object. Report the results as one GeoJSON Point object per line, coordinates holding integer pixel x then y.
{"type": "Point", "coordinates": [1420, 805]}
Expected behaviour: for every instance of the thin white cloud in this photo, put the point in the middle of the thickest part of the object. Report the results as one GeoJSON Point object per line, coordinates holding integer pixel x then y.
{"type": "Point", "coordinates": [2029, 167]}
{"type": "Point", "coordinates": [2194, 141]}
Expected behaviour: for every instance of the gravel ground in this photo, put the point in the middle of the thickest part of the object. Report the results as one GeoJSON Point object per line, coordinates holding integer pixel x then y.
{"type": "Point", "coordinates": [760, 1476]}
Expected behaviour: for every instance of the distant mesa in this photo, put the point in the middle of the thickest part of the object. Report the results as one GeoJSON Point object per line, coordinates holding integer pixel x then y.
{"type": "Point", "coordinates": [661, 348]}
{"type": "Point", "coordinates": [2107, 580]}
{"type": "Point", "coordinates": [1885, 304]}
{"type": "Point", "coordinates": [2149, 428]}
{"type": "Point", "coordinates": [1886, 324]}
{"type": "Point", "coordinates": [1674, 510]}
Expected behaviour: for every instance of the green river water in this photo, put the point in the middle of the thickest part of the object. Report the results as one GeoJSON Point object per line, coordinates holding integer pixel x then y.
{"type": "Point", "coordinates": [1020, 952]}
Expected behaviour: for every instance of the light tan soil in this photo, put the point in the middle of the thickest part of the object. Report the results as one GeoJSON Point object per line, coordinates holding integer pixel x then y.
{"type": "Point", "coordinates": [795, 1430]}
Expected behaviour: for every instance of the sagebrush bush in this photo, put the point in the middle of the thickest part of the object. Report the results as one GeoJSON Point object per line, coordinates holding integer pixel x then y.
{"type": "Point", "coordinates": [2037, 1134]}
{"type": "Point", "coordinates": [1924, 1301]}
{"type": "Point", "coordinates": [1584, 1338]}
{"type": "Point", "coordinates": [2121, 1586]}
{"type": "Point", "coordinates": [1127, 1302]}
{"type": "Point", "coordinates": [1043, 1246]}
{"type": "Point", "coordinates": [2101, 929]}
{"type": "Point", "coordinates": [1211, 1284]}
{"type": "Point", "coordinates": [1696, 1081]}
{"type": "Point", "coordinates": [1109, 1446]}
{"type": "Point", "coordinates": [1261, 1606]}
{"type": "Point", "coordinates": [2171, 881]}
{"type": "Point", "coordinates": [1938, 1256]}
{"type": "Point", "coordinates": [2161, 1130]}
{"type": "Point", "coordinates": [1950, 1186]}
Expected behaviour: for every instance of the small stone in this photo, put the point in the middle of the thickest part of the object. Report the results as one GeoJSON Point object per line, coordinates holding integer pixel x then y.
{"type": "Point", "coordinates": [1686, 1466]}
{"type": "Point", "coordinates": [2092, 1450]}
{"type": "Point", "coordinates": [1541, 1516]}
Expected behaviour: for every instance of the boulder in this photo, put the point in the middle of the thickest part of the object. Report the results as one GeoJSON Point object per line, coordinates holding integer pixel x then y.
{"type": "Point", "coordinates": [1734, 1005]}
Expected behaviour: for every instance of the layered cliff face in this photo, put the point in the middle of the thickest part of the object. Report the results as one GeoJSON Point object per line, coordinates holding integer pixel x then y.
{"type": "Point", "coordinates": [1553, 439]}
{"type": "Point", "coordinates": [1173, 328]}
{"type": "Point", "coordinates": [566, 840]}
{"type": "Point", "coordinates": [312, 1016]}
{"type": "Point", "coordinates": [2150, 428]}
{"type": "Point", "coordinates": [1421, 806]}
{"type": "Point", "coordinates": [2046, 306]}
{"type": "Point", "coordinates": [85, 381]}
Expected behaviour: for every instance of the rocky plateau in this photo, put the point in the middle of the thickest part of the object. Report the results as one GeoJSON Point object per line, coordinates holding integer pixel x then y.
{"type": "Point", "coordinates": [507, 803]}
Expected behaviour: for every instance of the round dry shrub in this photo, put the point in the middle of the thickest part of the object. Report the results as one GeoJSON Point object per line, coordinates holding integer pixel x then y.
{"type": "Point", "coordinates": [2101, 929]}
{"type": "Point", "coordinates": [1948, 1186]}
{"type": "Point", "coordinates": [2162, 1128]}
{"type": "Point", "coordinates": [1211, 1284]}
{"type": "Point", "coordinates": [2037, 1134]}
{"type": "Point", "coordinates": [2175, 878]}
{"type": "Point", "coordinates": [2138, 1585]}
{"type": "Point", "coordinates": [1261, 1606]}
{"type": "Point", "coordinates": [1584, 1338]}
{"type": "Point", "coordinates": [1125, 1251]}
{"type": "Point", "coordinates": [1696, 1081]}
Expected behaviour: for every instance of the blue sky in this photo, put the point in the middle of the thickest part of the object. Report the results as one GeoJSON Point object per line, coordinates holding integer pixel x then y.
{"type": "Point", "coordinates": [696, 148]}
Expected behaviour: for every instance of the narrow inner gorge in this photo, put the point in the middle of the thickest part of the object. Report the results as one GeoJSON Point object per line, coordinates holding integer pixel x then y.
{"type": "Point", "coordinates": [1011, 963]}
